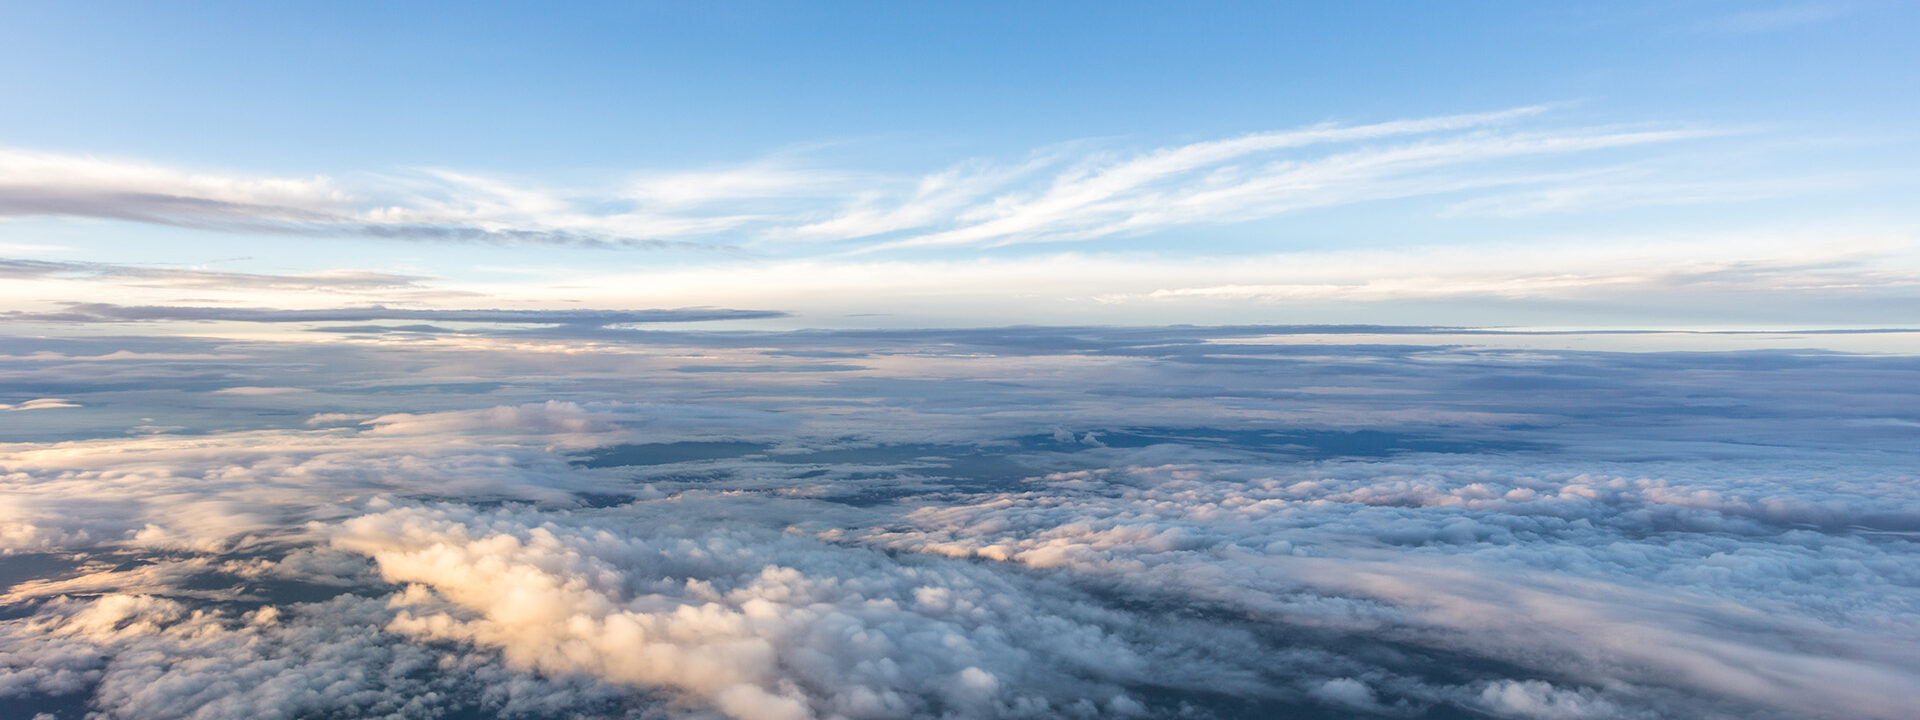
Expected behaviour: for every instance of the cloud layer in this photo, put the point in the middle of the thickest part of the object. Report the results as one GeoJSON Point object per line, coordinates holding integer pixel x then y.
{"type": "Point", "coordinates": [962, 524]}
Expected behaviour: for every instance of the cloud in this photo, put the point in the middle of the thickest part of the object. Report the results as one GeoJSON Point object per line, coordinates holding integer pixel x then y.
{"type": "Point", "coordinates": [322, 419]}
{"type": "Point", "coordinates": [243, 490]}
{"type": "Point", "coordinates": [1719, 280]}
{"type": "Point", "coordinates": [106, 312]}
{"type": "Point", "coordinates": [130, 655]}
{"type": "Point", "coordinates": [34, 183]}
{"type": "Point", "coordinates": [140, 275]}
{"type": "Point", "coordinates": [1271, 521]}
{"type": "Point", "coordinates": [1226, 181]}
{"type": "Point", "coordinates": [38, 404]}
{"type": "Point", "coordinates": [793, 608]}
{"type": "Point", "coordinates": [549, 417]}
{"type": "Point", "coordinates": [762, 626]}
{"type": "Point", "coordinates": [254, 489]}
{"type": "Point", "coordinates": [1635, 190]}
{"type": "Point", "coordinates": [441, 206]}
{"type": "Point", "coordinates": [384, 329]}
{"type": "Point", "coordinates": [769, 179]}
{"type": "Point", "coordinates": [256, 390]}
{"type": "Point", "coordinates": [1092, 183]}
{"type": "Point", "coordinates": [1536, 699]}
{"type": "Point", "coordinates": [1547, 571]}
{"type": "Point", "coordinates": [1067, 192]}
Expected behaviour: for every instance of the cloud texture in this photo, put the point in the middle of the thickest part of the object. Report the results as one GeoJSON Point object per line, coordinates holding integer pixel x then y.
{"type": "Point", "coordinates": [1073, 191]}
{"type": "Point", "coordinates": [963, 524]}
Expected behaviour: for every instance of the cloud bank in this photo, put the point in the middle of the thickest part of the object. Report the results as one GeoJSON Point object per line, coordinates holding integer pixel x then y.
{"type": "Point", "coordinates": [962, 523]}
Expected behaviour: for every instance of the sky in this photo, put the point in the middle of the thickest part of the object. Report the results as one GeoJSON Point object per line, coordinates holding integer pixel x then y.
{"type": "Point", "coordinates": [1681, 165]}
{"type": "Point", "coordinates": [769, 361]}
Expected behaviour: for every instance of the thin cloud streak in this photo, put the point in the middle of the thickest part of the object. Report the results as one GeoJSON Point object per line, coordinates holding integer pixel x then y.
{"type": "Point", "coordinates": [1198, 184]}
{"type": "Point", "coordinates": [1068, 192]}
{"type": "Point", "coordinates": [107, 313]}
{"type": "Point", "coordinates": [1813, 267]}
{"type": "Point", "coordinates": [171, 277]}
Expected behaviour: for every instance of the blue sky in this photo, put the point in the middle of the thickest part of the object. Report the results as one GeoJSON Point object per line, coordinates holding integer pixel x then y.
{"type": "Point", "coordinates": [339, 87]}
{"type": "Point", "coordinates": [1739, 164]}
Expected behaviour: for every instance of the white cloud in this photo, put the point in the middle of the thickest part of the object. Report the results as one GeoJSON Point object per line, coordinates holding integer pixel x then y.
{"type": "Point", "coordinates": [1347, 692]}
{"type": "Point", "coordinates": [38, 404]}
{"type": "Point", "coordinates": [934, 532]}
{"type": "Point", "coordinates": [757, 623]}
{"type": "Point", "coordinates": [140, 656]}
{"type": "Point", "coordinates": [255, 390]}
{"type": "Point", "coordinates": [551, 417]}
{"type": "Point", "coordinates": [1635, 190]}
{"type": "Point", "coordinates": [54, 179]}
{"type": "Point", "coordinates": [1542, 701]}
{"type": "Point", "coordinates": [1535, 569]}
{"type": "Point", "coordinates": [1071, 191]}
{"type": "Point", "coordinates": [1834, 276]}
{"type": "Point", "coordinates": [1200, 184]}
{"type": "Point", "coordinates": [247, 489]}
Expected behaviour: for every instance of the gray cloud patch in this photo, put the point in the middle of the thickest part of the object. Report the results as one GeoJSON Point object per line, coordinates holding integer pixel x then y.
{"type": "Point", "coordinates": [148, 207]}
{"type": "Point", "coordinates": [203, 213]}
{"type": "Point", "coordinates": [192, 278]}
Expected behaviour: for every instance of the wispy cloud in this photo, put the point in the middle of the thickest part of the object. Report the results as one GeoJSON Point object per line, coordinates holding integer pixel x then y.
{"type": "Point", "coordinates": [194, 278]}
{"type": "Point", "coordinates": [431, 205]}
{"type": "Point", "coordinates": [1624, 188]}
{"type": "Point", "coordinates": [107, 312]}
{"type": "Point", "coordinates": [1072, 191]}
{"type": "Point", "coordinates": [1233, 180]}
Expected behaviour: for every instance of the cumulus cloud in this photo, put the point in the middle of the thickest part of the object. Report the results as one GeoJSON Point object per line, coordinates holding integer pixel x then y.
{"type": "Point", "coordinates": [247, 489]}
{"type": "Point", "coordinates": [1537, 699]}
{"type": "Point", "coordinates": [756, 625]}
{"type": "Point", "coordinates": [140, 656]}
{"type": "Point", "coordinates": [1041, 522]}
{"type": "Point", "coordinates": [1552, 571]}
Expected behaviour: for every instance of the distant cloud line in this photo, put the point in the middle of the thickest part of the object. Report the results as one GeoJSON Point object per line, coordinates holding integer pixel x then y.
{"type": "Point", "coordinates": [106, 312]}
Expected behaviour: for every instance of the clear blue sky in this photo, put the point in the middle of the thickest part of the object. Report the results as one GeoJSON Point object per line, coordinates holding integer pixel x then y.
{"type": "Point", "coordinates": [345, 86]}
{"type": "Point", "coordinates": [1792, 120]}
